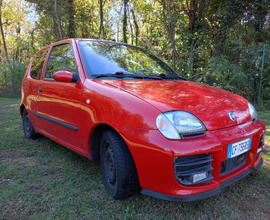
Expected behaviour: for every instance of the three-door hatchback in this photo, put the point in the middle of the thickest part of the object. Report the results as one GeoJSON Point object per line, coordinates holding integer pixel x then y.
{"type": "Point", "coordinates": [152, 130]}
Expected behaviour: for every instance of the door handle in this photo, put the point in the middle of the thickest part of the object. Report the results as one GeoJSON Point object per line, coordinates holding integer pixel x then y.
{"type": "Point", "coordinates": [40, 89]}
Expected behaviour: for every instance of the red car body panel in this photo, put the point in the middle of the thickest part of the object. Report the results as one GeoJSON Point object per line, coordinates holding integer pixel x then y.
{"type": "Point", "coordinates": [163, 151]}
{"type": "Point", "coordinates": [131, 107]}
{"type": "Point", "coordinates": [192, 97]}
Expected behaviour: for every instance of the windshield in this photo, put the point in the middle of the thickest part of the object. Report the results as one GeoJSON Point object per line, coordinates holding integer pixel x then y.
{"type": "Point", "coordinates": [100, 57]}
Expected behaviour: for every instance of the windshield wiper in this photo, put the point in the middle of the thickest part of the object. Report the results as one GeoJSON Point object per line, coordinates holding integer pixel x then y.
{"type": "Point", "coordinates": [118, 74]}
{"type": "Point", "coordinates": [121, 74]}
{"type": "Point", "coordinates": [164, 76]}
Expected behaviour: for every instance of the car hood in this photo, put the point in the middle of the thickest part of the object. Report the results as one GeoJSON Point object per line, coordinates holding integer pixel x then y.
{"type": "Point", "coordinates": [211, 105]}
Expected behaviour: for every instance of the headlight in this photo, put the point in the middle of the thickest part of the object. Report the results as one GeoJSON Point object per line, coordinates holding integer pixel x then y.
{"type": "Point", "coordinates": [166, 127]}
{"type": "Point", "coordinates": [176, 123]}
{"type": "Point", "coordinates": [253, 112]}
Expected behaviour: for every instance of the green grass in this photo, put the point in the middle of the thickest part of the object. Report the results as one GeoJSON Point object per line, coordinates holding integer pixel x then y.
{"type": "Point", "coordinates": [265, 117]}
{"type": "Point", "coordinates": [40, 179]}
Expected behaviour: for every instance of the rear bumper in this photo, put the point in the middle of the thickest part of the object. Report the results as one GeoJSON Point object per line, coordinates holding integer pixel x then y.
{"type": "Point", "coordinates": [203, 195]}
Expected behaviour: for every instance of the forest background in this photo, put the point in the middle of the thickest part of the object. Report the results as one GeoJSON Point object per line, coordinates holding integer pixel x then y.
{"type": "Point", "coordinates": [222, 43]}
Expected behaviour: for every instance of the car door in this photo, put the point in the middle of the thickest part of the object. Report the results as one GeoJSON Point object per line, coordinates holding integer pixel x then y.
{"type": "Point", "coordinates": [59, 102]}
{"type": "Point", "coordinates": [32, 85]}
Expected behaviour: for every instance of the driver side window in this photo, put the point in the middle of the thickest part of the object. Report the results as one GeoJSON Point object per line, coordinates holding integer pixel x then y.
{"type": "Point", "coordinates": [61, 58]}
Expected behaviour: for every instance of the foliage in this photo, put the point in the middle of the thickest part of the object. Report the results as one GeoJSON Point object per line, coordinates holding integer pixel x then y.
{"type": "Point", "coordinates": [242, 78]}
{"type": "Point", "coordinates": [222, 74]}
{"type": "Point", "coordinates": [11, 76]}
{"type": "Point", "coordinates": [17, 29]}
{"type": "Point", "coordinates": [215, 42]}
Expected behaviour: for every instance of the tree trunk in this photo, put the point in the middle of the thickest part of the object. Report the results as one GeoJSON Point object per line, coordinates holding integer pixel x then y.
{"type": "Point", "coordinates": [171, 31]}
{"type": "Point", "coordinates": [32, 40]}
{"type": "Point", "coordinates": [131, 29]}
{"type": "Point", "coordinates": [71, 24]}
{"type": "Point", "coordinates": [2, 32]}
{"type": "Point", "coordinates": [55, 27]}
{"type": "Point", "coordinates": [101, 15]}
{"type": "Point", "coordinates": [101, 18]}
{"type": "Point", "coordinates": [173, 61]}
{"type": "Point", "coordinates": [125, 39]}
{"type": "Point", "coordinates": [58, 21]}
{"type": "Point", "coordinates": [192, 15]}
{"type": "Point", "coordinates": [17, 53]}
{"type": "Point", "coordinates": [136, 27]}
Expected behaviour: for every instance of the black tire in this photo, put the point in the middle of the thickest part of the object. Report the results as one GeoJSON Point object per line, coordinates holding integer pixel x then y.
{"type": "Point", "coordinates": [118, 169]}
{"type": "Point", "coordinates": [28, 128]}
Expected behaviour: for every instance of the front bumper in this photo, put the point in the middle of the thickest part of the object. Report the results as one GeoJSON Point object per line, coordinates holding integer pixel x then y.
{"type": "Point", "coordinates": [203, 195]}
{"type": "Point", "coordinates": [153, 155]}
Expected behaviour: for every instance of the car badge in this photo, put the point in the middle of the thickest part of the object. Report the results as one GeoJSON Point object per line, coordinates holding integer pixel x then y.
{"type": "Point", "coordinates": [232, 116]}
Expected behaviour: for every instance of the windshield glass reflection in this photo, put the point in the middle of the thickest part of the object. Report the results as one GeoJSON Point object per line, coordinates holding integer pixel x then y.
{"type": "Point", "coordinates": [101, 57]}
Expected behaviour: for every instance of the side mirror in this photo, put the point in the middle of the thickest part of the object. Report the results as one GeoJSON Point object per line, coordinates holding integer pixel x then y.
{"type": "Point", "coordinates": [65, 76]}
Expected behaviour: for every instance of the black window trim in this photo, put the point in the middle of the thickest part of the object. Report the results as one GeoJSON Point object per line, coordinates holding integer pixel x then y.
{"type": "Point", "coordinates": [51, 79]}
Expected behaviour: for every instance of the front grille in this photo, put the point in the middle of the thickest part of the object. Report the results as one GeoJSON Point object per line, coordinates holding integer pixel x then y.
{"type": "Point", "coordinates": [232, 164]}
{"type": "Point", "coordinates": [186, 167]}
{"type": "Point", "coordinates": [185, 136]}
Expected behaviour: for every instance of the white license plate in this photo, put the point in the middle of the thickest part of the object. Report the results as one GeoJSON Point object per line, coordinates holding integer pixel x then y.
{"type": "Point", "coordinates": [238, 148]}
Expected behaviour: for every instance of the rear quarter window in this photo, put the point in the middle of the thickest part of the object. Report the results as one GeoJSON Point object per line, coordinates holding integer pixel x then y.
{"type": "Point", "coordinates": [37, 64]}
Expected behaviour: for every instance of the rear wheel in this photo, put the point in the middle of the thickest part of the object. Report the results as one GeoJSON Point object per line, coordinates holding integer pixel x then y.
{"type": "Point", "coordinates": [118, 169]}
{"type": "Point", "coordinates": [28, 128]}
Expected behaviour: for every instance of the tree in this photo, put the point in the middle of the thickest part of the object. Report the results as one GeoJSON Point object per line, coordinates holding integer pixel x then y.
{"type": "Point", "coordinates": [170, 27]}
{"type": "Point", "coordinates": [125, 39]}
{"type": "Point", "coordinates": [101, 26]}
{"type": "Point", "coordinates": [71, 22]}
{"type": "Point", "coordinates": [136, 27]}
{"type": "Point", "coordinates": [2, 32]}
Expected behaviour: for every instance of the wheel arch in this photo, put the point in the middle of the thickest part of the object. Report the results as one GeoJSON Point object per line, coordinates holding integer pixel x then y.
{"type": "Point", "coordinates": [22, 107]}
{"type": "Point", "coordinates": [95, 139]}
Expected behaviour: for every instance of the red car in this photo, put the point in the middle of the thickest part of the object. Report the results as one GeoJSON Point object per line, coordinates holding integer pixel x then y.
{"type": "Point", "coordinates": [151, 129]}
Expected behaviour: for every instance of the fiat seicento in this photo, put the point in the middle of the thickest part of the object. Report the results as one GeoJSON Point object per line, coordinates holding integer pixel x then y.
{"type": "Point", "coordinates": [150, 129]}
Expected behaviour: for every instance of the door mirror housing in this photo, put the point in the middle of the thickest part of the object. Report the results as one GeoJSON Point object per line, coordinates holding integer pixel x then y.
{"type": "Point", "coordinates": [65, 76]}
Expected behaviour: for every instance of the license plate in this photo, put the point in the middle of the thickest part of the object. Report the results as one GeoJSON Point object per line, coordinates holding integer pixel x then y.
{"type": "Point", "coordinates": [238, 148]}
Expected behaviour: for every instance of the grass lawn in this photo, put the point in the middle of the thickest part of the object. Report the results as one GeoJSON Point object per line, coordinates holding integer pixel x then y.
{"type": "Point", "coordinates": [40, 179]}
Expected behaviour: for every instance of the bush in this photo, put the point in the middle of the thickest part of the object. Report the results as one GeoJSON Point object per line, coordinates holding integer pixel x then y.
{"type": "Point", "coordinates": [242, 78]}
{"type": "Point", "coordinates": [11, 76]}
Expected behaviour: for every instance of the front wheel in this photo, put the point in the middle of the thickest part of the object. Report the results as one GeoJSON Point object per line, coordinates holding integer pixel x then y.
{"type": "Point", "coordinates": [28, 128]}
{"type": "Point", "coordinates": [118, 169]}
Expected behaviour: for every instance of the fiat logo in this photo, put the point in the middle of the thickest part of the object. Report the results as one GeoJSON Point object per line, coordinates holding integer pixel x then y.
{"type": "Point", "coordinates": [232, 116]}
